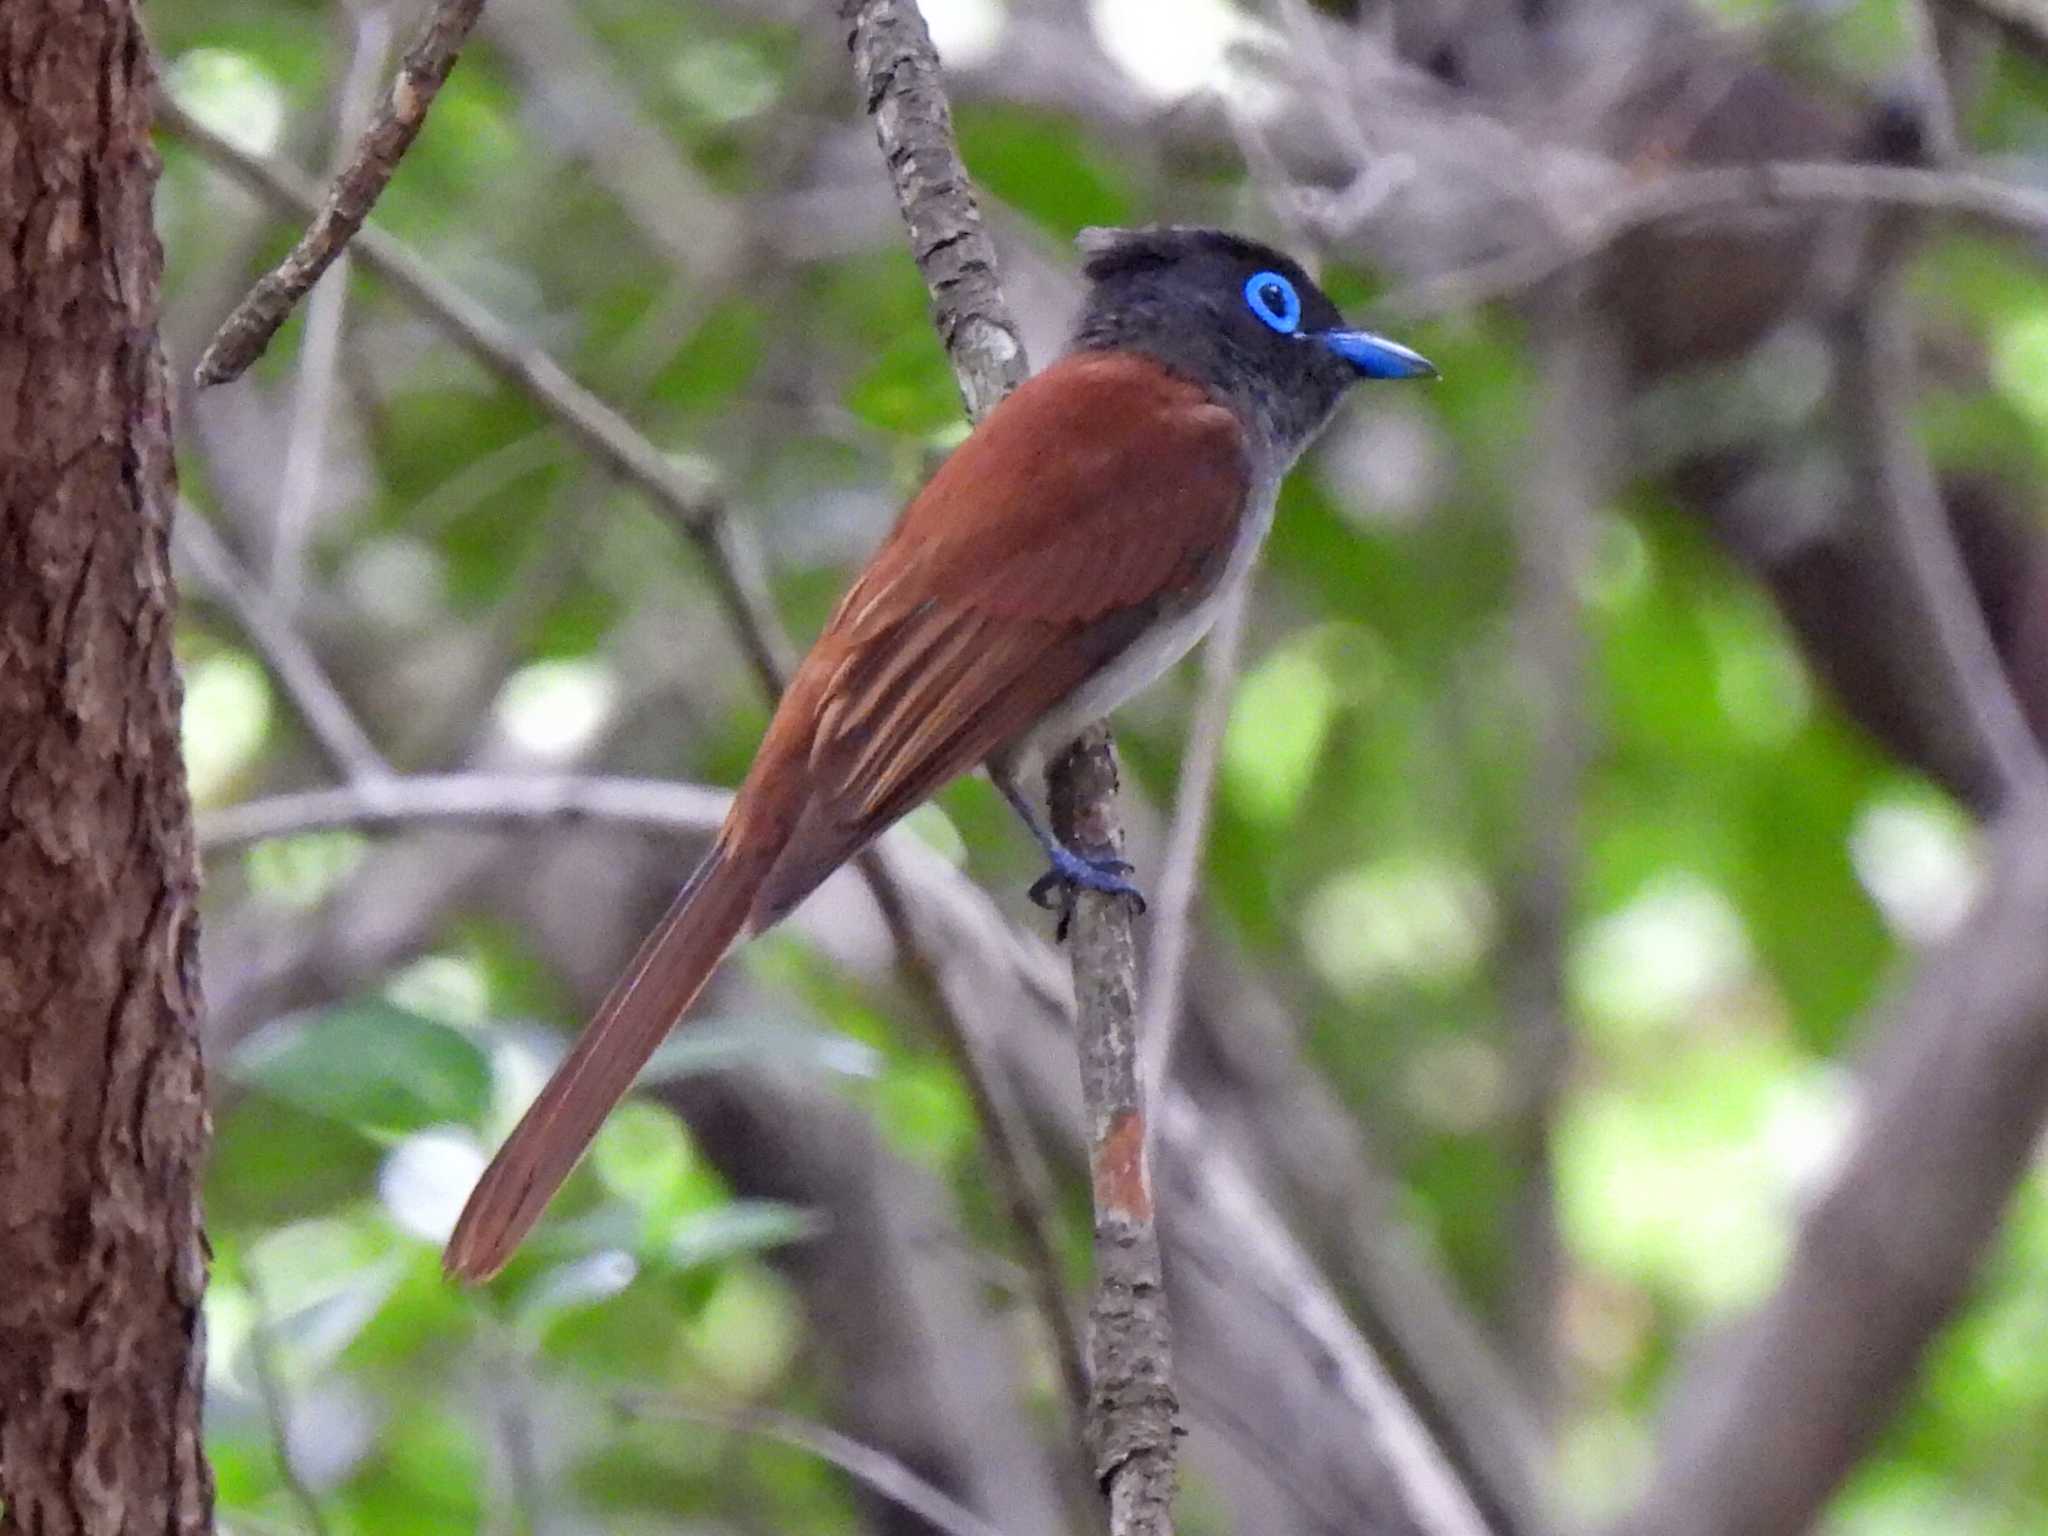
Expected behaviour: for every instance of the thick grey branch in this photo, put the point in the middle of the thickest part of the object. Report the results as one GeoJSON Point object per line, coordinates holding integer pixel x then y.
{"type": "Point", "coordinates": [1879, 381]}
{"type": "Point", "coordinates": [1764, 1427]}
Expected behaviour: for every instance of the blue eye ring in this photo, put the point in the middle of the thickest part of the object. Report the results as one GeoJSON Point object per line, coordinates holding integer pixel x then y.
{"type": "Point", "coordinates": [1273, 299]}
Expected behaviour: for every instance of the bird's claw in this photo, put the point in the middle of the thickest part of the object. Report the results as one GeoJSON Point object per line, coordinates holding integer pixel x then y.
{"type": "Point", "coordinates": [1055, 890]}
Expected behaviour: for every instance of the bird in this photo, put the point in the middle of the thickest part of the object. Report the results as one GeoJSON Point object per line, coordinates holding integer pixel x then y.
{"type": "Point", "coordinates": [1076, 544]}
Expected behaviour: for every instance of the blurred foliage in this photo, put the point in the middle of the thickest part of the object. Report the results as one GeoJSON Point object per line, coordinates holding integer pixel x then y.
{"type": "Point", "coordinates": [1750, 866]}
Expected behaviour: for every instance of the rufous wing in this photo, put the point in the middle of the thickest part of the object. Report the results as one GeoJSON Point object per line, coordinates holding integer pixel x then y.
{"type": "Point", "coordinates": [1104, 495]}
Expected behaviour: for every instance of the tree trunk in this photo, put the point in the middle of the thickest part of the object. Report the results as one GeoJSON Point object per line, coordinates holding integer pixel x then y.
{"type": "Point", "coordinates": [102, 1116]}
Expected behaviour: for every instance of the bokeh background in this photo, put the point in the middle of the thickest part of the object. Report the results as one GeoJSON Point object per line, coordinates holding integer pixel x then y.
{"type": "Point", "coordinates": [1591, 774]}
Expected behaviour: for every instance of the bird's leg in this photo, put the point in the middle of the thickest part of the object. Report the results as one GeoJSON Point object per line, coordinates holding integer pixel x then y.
{"type": "Point", "coordinates": [1070, 871]}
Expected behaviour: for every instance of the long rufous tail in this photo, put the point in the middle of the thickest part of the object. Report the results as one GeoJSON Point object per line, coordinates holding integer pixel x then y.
{"type": "Point", "coordinates": [671, 968]}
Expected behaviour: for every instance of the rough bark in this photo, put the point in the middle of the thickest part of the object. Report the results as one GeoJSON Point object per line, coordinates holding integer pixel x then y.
{"type": "Point", "coordinates": [894, 60]}
{"type": "Point", "coordinates": [102, 1116]}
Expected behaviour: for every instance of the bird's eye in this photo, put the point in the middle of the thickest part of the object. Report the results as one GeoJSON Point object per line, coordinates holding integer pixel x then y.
{"type": "Point", "coordinates": [1273, 299]}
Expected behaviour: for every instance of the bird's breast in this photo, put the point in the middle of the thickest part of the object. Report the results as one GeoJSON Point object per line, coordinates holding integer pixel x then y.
{"type": "Point", "coordinates": [1157, 647]}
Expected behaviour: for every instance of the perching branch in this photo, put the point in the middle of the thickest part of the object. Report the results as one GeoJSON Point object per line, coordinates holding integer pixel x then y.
{"type": "Point", "coordinates": [1132, 1407]}
{"type": "Point", "coordinates": [244, 334]}
{"type": "Point", "coordinates": [898, 69]}
{"type": "Point", "coordinates": [1130, 1345]}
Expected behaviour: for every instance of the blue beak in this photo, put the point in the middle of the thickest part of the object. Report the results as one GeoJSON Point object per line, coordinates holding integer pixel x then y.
{"type": "Point", "coordinates": [1375, 357]}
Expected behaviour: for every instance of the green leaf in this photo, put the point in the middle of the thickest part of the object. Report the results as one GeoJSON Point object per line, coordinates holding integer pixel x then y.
{"type": "Point", "coordinates": [371, 1066]}
{"type": "Point", "coordinates": [718, 360]}
{"type": "Point", "coordinates": [907, 388]}
{"type": "Point", "coordinates": [275, 1162]}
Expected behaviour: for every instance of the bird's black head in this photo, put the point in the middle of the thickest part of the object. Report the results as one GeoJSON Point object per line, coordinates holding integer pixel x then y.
{"type": "Point", "coordinates": [1237, 316]}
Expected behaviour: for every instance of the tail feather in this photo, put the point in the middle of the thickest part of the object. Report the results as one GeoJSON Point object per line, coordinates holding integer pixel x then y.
{"type": "Point", "coordinates": [665, 977]}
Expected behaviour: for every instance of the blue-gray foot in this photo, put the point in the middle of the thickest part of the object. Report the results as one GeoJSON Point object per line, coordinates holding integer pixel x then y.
{"type": "Point", "coordinates": [1070, 872]}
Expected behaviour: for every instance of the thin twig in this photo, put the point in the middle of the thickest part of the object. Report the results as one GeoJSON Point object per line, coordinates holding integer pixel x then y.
{"type": "Point", "coordinates": [276, 1406]}
{"type": "Point", "coordinates": [1782, 185]}
{"type": "Point", "coordinates": [488, 801]}
{"type": "Point", "coordinates": [1267, 1256]}
{"type": "Point", "coordinates": [245, 333]}
{"type": "Point", "coordinates": [341, 737]}
{"type": "Point", "coordinates": [687, 500]}
{"type": "Point", "coordinates": [305, 447]}
{"type": "Point", "coordinates": [1180, 865]}
{"type": "Point", "coordinates": [1021, 1177]}
{"type": "Point", "coordinates": [1131, 1421]}
{"type": "Point", "coordinates": [875, 1469]}
{"type": "Point", "coordinates": [600, 128]}
{"type": "Point", "coordinates": [1326, 82]}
